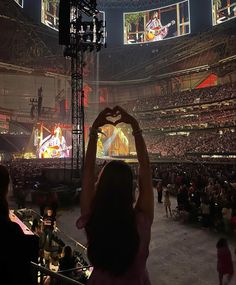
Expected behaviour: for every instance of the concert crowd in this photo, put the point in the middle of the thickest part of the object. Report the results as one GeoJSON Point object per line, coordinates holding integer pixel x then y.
{"type": "Point", "coordinates": [205, 193]}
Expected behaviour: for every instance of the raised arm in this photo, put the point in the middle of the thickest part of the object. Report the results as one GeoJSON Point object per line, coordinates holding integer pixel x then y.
{"type": "Point", "coordinates": [145, 201]}
{"type": "Point", "coordinates": [88, 180]}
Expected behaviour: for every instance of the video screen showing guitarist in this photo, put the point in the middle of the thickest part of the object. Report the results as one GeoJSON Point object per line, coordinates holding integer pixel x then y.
{"type": "Point", "coordinates": [155, 31]}
{"type": "Point", "coordinates": [54, 145]}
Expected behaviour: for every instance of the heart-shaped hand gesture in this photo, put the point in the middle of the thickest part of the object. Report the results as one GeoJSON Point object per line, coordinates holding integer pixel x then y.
{"type": "Point", "coordinates": [101, 119]}
{"type": "Point", "coordinates": [113, 117]}
{"type": "Point", "coordinates": [124, 117]}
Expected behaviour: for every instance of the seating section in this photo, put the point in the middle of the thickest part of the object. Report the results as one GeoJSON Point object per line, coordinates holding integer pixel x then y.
{"type": "Point", "coordinates": [190, 122]}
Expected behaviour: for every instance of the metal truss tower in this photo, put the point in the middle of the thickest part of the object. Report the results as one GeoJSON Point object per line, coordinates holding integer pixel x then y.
{"type": "Point", "coordinates": [77, 112]}
{"type": "Point", "coordinates": [79, 37]}
{"type": "Point", "coordinates": [76, 51]}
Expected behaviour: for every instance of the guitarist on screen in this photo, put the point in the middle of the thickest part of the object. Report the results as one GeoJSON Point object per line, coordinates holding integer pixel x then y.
{"type": "Point", "coordinates": [54, 145]}
{"type": "Point", "coordinates": [155, 31]}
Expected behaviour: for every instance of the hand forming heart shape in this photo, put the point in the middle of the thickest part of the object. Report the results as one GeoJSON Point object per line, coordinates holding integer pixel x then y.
{"type": "Point", "coordinates": [114, 117]}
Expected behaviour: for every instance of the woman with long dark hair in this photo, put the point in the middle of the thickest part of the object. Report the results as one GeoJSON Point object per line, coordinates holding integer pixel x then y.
{"type": "Point", "coordinates": [118, 232]}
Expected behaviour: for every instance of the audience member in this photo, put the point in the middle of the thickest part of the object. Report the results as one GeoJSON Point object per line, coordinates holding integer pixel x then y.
{"type": "Point", "coordinates": [205, 211]}
{"type": "Point", "coordinates": [167, 202]}
{"type": "Point", "coordinates": [224, 261]}
{"type": "Point", "coordinates": [159, 191]}
{"type": "Point", "coordinates": [49, 225]}
{"type": "Point", "coordinates": [67, 262]}
{"type": "Point", "coordinates": [118, 234]}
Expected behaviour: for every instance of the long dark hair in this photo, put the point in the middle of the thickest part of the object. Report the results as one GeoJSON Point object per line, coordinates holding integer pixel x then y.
{"type": "Point", "coordinates": [113, 238]}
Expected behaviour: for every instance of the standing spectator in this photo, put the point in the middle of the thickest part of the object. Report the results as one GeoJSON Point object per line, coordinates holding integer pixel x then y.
{"type": "Point", "coordinates": [205, 209]}
{"type": "Point", "coordinates": [182, 198]}
{"type": "Point", "coordinates": [49, 225]}
{"type": "Point", "coordinates": [159, 191]}
{"type": "Point", "coordinates": [167, 202]}
{"type": "Point", "coordinates": [118, 234]}
{"type": "Point", "coordinates": [224, 261]}
{"type": "Point", "coordinates": [14, 250]}
{"type": "Point", "coordinates": [227, 215]}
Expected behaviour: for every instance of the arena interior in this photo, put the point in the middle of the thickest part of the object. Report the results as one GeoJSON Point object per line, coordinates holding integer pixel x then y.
{"type": "Point", "coordinates": [169, 63]}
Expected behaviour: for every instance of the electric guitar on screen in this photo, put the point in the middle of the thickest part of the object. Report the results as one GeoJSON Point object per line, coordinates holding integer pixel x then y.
{"type": "Point", "coordinates": [159, 32]}
{"type": "Point", "coordinates": [54, 151]}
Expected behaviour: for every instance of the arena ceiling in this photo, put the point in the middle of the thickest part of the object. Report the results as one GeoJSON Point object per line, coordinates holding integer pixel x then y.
{"type": "Point", "coordinates": [34, 46]}
{"type": "Point", "coordinates": [135, 4]}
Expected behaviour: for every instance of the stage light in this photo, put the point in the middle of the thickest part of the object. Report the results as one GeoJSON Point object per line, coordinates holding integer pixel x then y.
{"type": "Point", "coordinates": [88, 7]}
{"type": "Point", "coordinates": [82, 33]}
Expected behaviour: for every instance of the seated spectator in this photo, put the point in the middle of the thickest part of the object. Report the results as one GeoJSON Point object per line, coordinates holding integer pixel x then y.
{"type": "Point", "coordinates": [68, 261]}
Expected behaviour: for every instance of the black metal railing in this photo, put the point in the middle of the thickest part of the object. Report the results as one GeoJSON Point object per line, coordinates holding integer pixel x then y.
{"type": "Point", "coordinates": [42, 272]}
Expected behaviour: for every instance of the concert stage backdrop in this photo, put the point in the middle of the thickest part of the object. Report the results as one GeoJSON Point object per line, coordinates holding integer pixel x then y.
{"type": "Point", "coordinates": [157, 24]}
{"type": "Point", "coordinates": [223, 10]}
{"type": "Point", "coordinates": [54, 141]}
{"type": "Point", "coordinates": [114, 141]}
{"type": "Point", "coordinates": [50, 13]}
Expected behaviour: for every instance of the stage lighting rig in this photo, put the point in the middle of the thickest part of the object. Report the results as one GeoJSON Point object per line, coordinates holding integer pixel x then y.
{"type": "Point", "coordinates": [88, 33]}
{"type": "Point", "coordinates": [87, 7]}
{"type": "Point", "coordinates": [79, 35]}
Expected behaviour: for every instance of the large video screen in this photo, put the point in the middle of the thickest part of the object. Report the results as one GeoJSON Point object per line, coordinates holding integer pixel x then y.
{"type": "Point", "coordinates": [50, 13]}
{"type": "Point", "coordinates": [223, 10]}
{"type": "Point", "coordinates": [52, 141]}
{"type": "Point", "coordinates": [20, 2]}
{"type": "Point", "coordinates": [157, 24]}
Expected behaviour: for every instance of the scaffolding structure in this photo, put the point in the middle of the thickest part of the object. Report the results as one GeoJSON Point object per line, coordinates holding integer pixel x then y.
{"type": "Point", "coordinates": [83, 36]}
{"type": "Point", "coordinates": [77, 112]}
